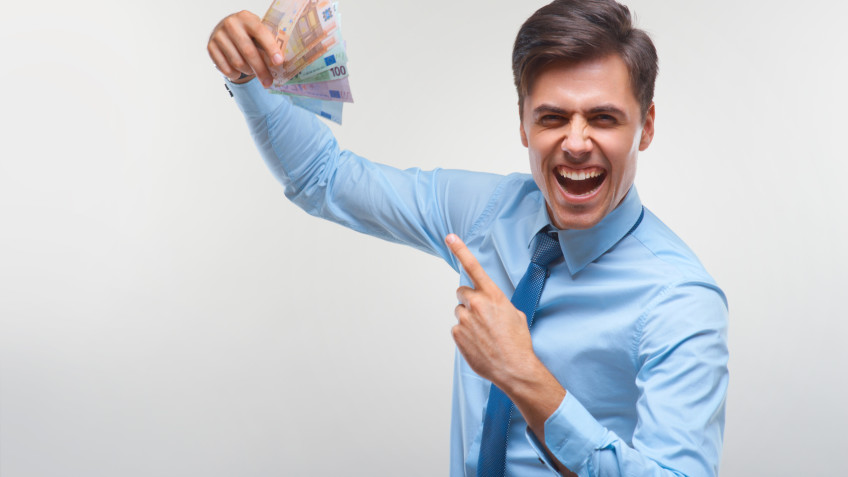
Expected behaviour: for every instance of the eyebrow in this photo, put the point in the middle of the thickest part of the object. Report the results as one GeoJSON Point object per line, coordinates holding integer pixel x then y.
{"type": "Point", "coordinates": [608, 108]}
{"type": "Point", "coordinates": [547, 108]}
{"type": "Point", "coordinates": [604, 108]}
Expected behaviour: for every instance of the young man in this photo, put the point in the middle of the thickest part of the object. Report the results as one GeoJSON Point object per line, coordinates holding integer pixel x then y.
{"type": "Point", "coordinates": [613, 347]}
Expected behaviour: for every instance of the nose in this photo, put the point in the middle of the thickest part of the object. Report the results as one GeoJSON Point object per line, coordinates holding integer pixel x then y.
{"type": "Point", "coordinates": [576, 141]}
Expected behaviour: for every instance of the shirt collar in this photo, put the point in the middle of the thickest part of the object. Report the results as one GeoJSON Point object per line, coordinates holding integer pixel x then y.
{"type": "Point", "coordinates": [582, 247]}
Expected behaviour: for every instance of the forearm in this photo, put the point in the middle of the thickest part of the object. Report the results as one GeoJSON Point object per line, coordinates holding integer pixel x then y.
{"type": "Point", "coordinates": [537, 394]}
{"type": "Point", "coordinates": [290, 140]}
{"type": "Point", "coordinates": [298, 149]}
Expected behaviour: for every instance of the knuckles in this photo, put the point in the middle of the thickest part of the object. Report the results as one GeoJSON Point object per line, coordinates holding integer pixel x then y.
{"type": "Point", "coordinates": [231, 23]}
{"type": "Point", "coordinates": [239, 64]}
{"type": "Point", "coordinates": [239, 21]}
{"type": "Point", "coordinates": [485, 303]}
{"type": "Point", "coordinates": [475, 301]}
{"type": "Point", "coordinates": [245, 15]}
{"type": "Point", "coordinates": [462, 293]}
{"type": "Point", "coordinates": [236, 23]}
{"type": "Point", "coordinates": [228, 32]}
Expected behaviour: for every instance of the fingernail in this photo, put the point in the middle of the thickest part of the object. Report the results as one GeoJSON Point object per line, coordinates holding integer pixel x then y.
{"type": "Point", "coordinates": [450, 239]}
{"type": "Point", "coordinates": [278, 58]}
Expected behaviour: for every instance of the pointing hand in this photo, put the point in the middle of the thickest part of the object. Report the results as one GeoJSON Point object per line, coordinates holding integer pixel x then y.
{"type": "Point", "coordinates": [491, 333]}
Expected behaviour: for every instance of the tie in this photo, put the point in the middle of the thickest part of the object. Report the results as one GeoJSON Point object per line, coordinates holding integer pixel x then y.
{"type": "Point", "coordinates": [492, 460]}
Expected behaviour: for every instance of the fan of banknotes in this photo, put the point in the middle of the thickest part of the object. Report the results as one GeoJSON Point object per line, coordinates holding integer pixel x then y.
{"type": "Point", "coordinates": [314, 69]}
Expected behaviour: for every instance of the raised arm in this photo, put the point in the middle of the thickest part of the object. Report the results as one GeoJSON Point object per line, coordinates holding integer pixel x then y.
{"type": "Point", "coordinates": [412, 206]}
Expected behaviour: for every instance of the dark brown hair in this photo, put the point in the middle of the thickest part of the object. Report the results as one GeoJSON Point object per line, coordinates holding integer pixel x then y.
{"type": "Point", "coordinates": [570, 31]}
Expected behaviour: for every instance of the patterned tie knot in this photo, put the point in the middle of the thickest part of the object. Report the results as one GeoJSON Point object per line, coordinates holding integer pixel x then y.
{"type": "Point", "coordinates": [547, 249]}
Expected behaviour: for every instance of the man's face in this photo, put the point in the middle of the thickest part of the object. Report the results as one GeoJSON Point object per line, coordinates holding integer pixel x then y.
{"type": "Point", "coordinates": [583, 128]}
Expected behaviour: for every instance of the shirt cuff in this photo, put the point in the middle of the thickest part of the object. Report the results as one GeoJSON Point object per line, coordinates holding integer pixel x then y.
{"type": "Point", "coordinates": [253, 99]}
{"type": "Point", "coordinates": [540, 450]}
{"type": "Point", "coordinates": [572, 434]}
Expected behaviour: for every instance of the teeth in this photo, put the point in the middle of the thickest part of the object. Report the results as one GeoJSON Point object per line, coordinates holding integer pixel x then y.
{"type": "Point", "coordinates": [579, 175]}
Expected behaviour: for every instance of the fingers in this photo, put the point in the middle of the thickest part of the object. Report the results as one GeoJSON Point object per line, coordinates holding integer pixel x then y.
{"type": "Point", "coordinates": [267, 41]}
{"type": "Point", "coordinates": [472, 267]}
{"type": "Point", "coordinates": [460, 330]}
{"type": "Point", "coordinates": [250, 57]}
{"type": "Point", "coordinates": [221, 62]}
{"type": "Point", "coordinates": [458, 335]}
{"type": "Point", "coordinates": [239, 44]}
{"type": "Point", "coordinates": [228, 59]}
{"type": "Point", "coordinates": [460, 312]}
{"type": "Point", "coordinates": [463, 295]}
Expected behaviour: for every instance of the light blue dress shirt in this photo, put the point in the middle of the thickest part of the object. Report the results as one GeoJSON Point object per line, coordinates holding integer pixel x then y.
{"type": "Point", "coordinates": [630, 323]}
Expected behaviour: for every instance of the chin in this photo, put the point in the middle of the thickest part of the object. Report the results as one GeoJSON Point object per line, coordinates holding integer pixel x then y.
{"type": "Point", "coordinates": [576, 221]}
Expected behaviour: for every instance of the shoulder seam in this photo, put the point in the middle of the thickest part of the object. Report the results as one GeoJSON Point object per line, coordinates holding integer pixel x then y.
{"type": "Point", "coordinates": [487, 212]}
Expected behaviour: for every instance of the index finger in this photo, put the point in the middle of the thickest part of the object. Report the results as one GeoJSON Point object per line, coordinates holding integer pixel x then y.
{"type": "Point", "coordinates": [469, 262]}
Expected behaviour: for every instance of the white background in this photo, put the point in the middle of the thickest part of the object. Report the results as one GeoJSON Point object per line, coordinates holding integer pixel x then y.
{"type": "Point", "coordinates": [164, 311]}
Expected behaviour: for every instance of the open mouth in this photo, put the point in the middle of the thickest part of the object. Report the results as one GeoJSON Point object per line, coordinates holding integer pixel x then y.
{"type": "Point", "coordinates": [580, 182]}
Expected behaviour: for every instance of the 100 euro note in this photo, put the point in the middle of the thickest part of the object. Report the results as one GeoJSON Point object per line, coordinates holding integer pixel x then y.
{"type": "Point", "coordinates": [336, 73]}
{"type": "Point", "coordinates": [333, 58]}
{"type": "Point", "coordinates": [314, 64]}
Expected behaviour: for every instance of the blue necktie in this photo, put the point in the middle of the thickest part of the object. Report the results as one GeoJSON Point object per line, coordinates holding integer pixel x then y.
{"type": "Point", "coordinates": [492, 460]}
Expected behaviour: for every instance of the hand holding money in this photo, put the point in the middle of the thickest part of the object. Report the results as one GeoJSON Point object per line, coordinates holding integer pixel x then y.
{"type": "Point", "coordinates": [242, 45]}
{"type": "Point", "coordinates": [296, 50]}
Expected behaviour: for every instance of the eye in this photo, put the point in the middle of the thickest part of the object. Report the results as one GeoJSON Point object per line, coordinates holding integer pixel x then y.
{"type": "Point", "coordinates": [550, 120]}
{"type": "Point", "coordinates": [605, 120]}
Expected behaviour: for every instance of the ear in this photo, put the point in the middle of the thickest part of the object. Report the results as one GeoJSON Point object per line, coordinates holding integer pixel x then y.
{"type": "Point", "coordinates": [523, 134]}
{"type": "Point", "coordinates": [648, 129]}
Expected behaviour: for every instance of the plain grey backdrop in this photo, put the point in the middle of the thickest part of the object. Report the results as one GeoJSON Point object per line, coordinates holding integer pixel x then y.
{"type": "Point", "coordinates": [164, 311]}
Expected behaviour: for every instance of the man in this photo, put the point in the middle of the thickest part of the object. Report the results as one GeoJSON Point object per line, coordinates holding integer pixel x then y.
{"type": "Point", "coordinates": [618, 367]}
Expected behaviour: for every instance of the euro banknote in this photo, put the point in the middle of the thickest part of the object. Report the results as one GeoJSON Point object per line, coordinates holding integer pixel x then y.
{"type": "Point", "coordinates": [306, 29]}
{"type": "Point", "coordinates": [334, 57]}
{"type": "Point", "coordinates": [331, 110]}
{"type": "Point", "coordinates": [315, 60]}
{"type": "Point", "coordinates": [317, 21]}
{"type": "Point", "coordinates": [334, 73]}
{"type": "Point", "coordinates": [293, 65]}
{"type": "Point", "coordinates": [336, 90]}
{"type": "Point", "coordinates": [280, 19]}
